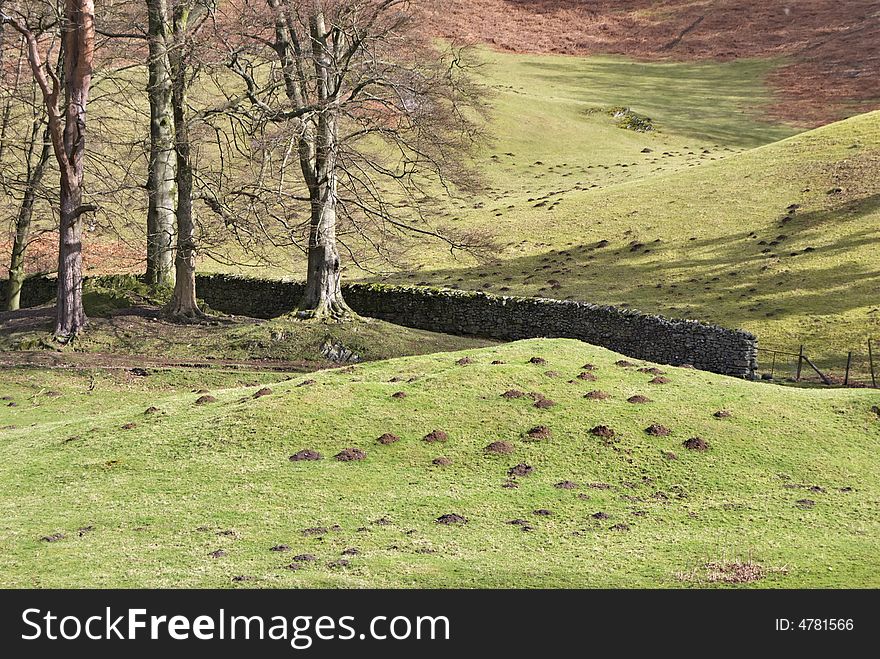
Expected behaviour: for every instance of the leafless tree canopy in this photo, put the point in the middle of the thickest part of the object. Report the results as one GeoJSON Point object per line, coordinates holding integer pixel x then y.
{"type": "Point", "coordinates": [350, 94]}
{"type": "Point", "coordinates": [323, 126]}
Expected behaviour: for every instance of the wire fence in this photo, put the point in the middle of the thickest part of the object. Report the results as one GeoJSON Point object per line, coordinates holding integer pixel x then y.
{"type": "Point", "coordinates": [859, 367]}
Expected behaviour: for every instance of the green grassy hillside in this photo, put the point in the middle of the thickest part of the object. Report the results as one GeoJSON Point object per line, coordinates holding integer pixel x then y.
{"type": "Point", "coordinates": [700, 219]}
{"type": "Point", "coordinates": [718, 213]}
{"type": "Point", "coordinates": [199, 494]}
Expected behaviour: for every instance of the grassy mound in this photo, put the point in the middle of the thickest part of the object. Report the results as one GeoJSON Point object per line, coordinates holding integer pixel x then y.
{"type": "Point", "coordinates": [735, 482]}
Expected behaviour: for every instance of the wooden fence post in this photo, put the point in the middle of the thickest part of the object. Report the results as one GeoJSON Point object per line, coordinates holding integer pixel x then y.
{"type": "Point", "coordinates": [848, 362]}
{"type": "Point", "coordinates": [871, 360]}
{"type": "Point", "coordinates": [800, 363]}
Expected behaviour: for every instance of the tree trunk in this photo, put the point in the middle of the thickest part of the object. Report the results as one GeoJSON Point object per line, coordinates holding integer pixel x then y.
{"type": "Point", "coordinates": [70, 316]}
{"type": "Point", "coordinates": [23, 226]}
{"type": "Point", "coordinates": [161, 174]}
{"type": "Point", "coordinates": [79, 48]}
{"type": "Point", "coordinates": [184, 304]}
{"type": "Point", "coordinates": [323, 295]}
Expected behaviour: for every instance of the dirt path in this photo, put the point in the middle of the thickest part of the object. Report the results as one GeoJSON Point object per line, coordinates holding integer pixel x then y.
{"type": "Point", "coordinates": [90, 360]}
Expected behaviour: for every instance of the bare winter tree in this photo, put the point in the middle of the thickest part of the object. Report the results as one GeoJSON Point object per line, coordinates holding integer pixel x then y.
{"type": "Point", "coordinates": [25, 150]}
{"type": "Point", "coordinates": [376, 119]}
{"type": "Point", "coordinates": [66, 118]}
{"type": "Point", "coordinates": [188, 19]}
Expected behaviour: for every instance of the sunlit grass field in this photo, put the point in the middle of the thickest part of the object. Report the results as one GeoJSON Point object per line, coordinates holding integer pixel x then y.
{"type": "Point", "coordinates": [96, 492]}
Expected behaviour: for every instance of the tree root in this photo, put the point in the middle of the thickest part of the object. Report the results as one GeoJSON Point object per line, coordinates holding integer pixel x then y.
{"type": "Point", "coordinates": [185, 316]}
{"type": "Point", "coordinates": [333, 311]}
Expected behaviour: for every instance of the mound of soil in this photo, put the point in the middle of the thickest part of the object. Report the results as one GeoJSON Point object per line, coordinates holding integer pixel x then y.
{"type": "Point", "coordinates": [876, 410]}
{"type": "Point", "coordinates": [620, 527]}
{"type": "Point", "coordinates": [441, 461]}
{"type": "Point", "coordinates": [653, 370]}
{"type": "Point", "coordinates": [659, 380]}
{"type": "Point", "coordinates": [656, 430]}
{"type": "Point", "coordinates": [596, 395]}
{"type": "Point", "coordinates": [265, 391]}
{"type": "Point", "coordinates": [496, 362]}
{"type": "Point", "coordinates": [350, 454]}
{"type": "Point", "coordinates": [55, 537]}
{"type": "Point", "coordinates": [551, 374]}
{"type": "Point", "coordinates": [521, 469]}
{"type": "Point", "coordinates": [600, 515]}
{"type": "Point", "coordinates": [388, 438]}
{"type": "Point", "coordinates": [588, 367]}
{"type": "Point", "coordinates": [217, 553]}
{"type": "Point", "coordinates": [280, 548]}
{"type": "Point", "coordinates": [304, 558]}
{"type": "Point", "coordinates": [399, 394]}
{"type": "Point", "coordinates": [305, 454]}
{"type": "Point", "coordinates": [544, 403]}
{"type": "Point", "coordinates": [204, 400]}
{"type": "Point", "coordinates": [566, 485]}
{"type": "Point", "coordinates": [539, 432]}
{"type": "Point", "coordinates": [351, 551]}
{"type": "Point", "coordinates": [805, 504]}
{"type": "Point", "coordinates": [464, 361]}
{"type": "Point", "coordinates": [696, 444]}
{"type": "Point", "coordinates": [638, 399]}
{"type": "Point", "coordinates": [602, 431]}
{"type": "Point", "coordinates": [623, 363]}
{"type": "Point", "coordinates": [537, 360]}
{"type": "Point", "coordinates": [513, 393]}
{"type": "Point", "coordinates": [522, 524]}
{"type": "Point", "coordinates": [306, 383]}
{"type": "Point", "coordinates": [129, 426]}
{"type": "Point", "coordinates": [669, 455]}
{"type": "Point", "coordinates": [586, 375]}
{"type": "Point", "coordinates": [151, 410]}
{"type": "Point", "coordinates": [314, 530]}
{"type": "Point", "coordinates": [435, 436]}
{"type": "Point", "coordinates": [734, 572]}
{"type": "Point", "coordinates": [499, 448]}
{"type": "Point", "coordinates": [722, 414]}
{"type": "Point", "coordinates": [542, 512]}
{"type": "Point", "coordinates": [451, 518]}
